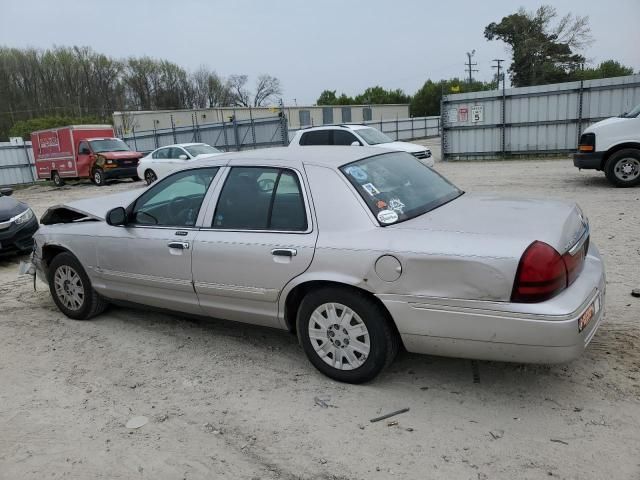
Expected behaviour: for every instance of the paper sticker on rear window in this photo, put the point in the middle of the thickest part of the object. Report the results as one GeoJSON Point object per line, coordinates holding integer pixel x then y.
{"type": "Point", "coordinates": [387, 216]}
{"type": "Point", "coordinates": [371, 189]}
{"type": "Point", "coordinates": [357, 172]}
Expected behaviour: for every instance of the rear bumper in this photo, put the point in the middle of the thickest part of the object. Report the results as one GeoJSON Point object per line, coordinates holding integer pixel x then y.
{"type": "Point", "coordinates": [121, 172]}
{"type": "Point", "coordinates": [18, 238]}
{"type": "Point", "coordinates": [588, 161]}
{"type": "Point", "coordinates": [545, 332]}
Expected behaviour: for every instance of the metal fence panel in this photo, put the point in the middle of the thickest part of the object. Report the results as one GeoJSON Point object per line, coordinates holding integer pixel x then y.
{"type": "Point", "coordinates": [17, 165]}
{"type": "Point", "coordinates": [544, 119]}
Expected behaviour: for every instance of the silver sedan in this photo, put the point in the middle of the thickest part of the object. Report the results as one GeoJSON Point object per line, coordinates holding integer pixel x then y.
{"type": "Point", "coordinates": [357, 250]}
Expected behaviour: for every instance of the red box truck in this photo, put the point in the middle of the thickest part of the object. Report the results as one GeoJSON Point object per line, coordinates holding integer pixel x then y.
{"type": "Point", "coordinates": [83, 151]}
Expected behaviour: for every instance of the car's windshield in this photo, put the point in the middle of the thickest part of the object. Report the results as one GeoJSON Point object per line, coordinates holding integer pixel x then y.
{"type": "Point", "coordinates": [373, 136]}
{"type": "Point", "coordinates": [109, 145]}
{"type": "Point", "coordinates": [204, 149]}
{"type": "Point", "coordinates": [633, 113]}
{"type": "Point", "coordinates": [397, 186]}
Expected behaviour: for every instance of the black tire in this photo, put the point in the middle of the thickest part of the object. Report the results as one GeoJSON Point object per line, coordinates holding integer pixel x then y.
{"type": "Point", "coordinates": [614, 168]}
{"type": "Point", "coordinates": [98, 177]}
{"type": "Point", "coordinates": [57, 179]}
{"type": "Point", "coordinates": [150, 176]}
{"type": "Point", "coordinates": [383, 339]}
{"type": "Point", "coordinates": [91, 305]}
{"type": "Point", "coordinates": [135, 178]}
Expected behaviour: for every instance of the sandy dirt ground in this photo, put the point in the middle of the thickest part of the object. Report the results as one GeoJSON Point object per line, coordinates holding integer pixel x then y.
{"type": "Point", "coordinates": [227, 400]}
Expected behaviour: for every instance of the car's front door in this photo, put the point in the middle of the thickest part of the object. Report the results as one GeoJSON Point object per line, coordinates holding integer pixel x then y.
{"type": "Point", "coordinates": [148, 260]}
{"type": "Point", "coordinates": [84, 159]}
{"type": "Point", "coordinates": [260, 235]}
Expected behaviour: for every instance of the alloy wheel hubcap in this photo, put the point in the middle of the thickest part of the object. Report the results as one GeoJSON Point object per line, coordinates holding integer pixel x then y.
{"type": "Point", "coordinates": [627, 169]}
{"type": "Point", "coordinates": [339, 336]}
{"type": "Point", "coordinates": [69, 287]}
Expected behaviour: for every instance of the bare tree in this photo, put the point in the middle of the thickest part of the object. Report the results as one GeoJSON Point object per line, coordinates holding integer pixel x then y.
{"type": "Point", "coordinates": [240, 95]}
{"type": "Point", "coordinates": [267, 87]}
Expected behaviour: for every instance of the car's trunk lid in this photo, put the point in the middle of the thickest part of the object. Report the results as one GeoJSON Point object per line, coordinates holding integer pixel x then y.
{"type": "Point", "coordinates": [557, 223]}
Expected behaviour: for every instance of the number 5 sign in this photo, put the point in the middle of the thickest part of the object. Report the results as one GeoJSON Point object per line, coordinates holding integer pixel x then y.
{"type": "Point", "coordinates": [477, 113]}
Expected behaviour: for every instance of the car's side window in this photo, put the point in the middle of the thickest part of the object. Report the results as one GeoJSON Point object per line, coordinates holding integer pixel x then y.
{"type": "Point", "coordinates": [261, 198]}
{"type": "Point", "coordinates": [342, 137]}
{"type": "Point", "coordinates": [162, 153]}
{"type": "Point", "coordinates": [83, 148]}
{"type": "Point", "coordinates": [176, 152]}
{"type": "Point", "coordinates": [174, 201]}
{"type": "Point", "coordinates": [317, 137]}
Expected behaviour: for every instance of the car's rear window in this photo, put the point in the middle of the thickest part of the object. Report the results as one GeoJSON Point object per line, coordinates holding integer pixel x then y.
{"type": "Point", "coordinates": [397, 186]}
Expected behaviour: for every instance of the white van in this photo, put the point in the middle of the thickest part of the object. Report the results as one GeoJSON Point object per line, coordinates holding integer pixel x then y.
{"type": "Point", "coordinates": [613, 146]}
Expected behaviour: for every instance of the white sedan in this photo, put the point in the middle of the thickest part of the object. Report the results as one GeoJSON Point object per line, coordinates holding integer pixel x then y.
{"type": "Point", "coordinates": [163, 160]}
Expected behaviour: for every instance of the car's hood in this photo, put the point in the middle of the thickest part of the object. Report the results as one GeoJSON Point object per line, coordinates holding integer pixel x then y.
{"type": "Point", "coordinates": [10, 207]}
{"type": "Point", "coordinates": [93, 208]}
{"type": "Point", "coordinates": [120, 155]}
{"type": "Point", "coordinates": [402, 147]}
{"type": "Point", "coordinates": [558, 223]}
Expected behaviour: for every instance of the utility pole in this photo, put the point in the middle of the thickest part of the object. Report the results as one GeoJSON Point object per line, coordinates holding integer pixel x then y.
{"type": "Point", "coordinates": [498, 67]}
{"type": "Point", "coordinates": [469, 65]}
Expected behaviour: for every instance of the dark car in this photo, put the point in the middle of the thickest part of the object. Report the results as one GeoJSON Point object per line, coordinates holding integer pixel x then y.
{"type": "Point", "coordinates": [18, 223]}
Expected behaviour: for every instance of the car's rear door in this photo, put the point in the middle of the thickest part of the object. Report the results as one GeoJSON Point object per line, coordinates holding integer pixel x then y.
{"type": "Point", "coordinates": [148, 261]}
{"type": "Point", "coordinates": [258, 234]}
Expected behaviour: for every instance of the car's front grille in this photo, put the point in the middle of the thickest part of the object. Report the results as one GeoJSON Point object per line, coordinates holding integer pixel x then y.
{"type": "Point", "coordinates": [423, 154]}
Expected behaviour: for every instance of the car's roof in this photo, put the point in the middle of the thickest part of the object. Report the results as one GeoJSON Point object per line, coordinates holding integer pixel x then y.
{"type": "Point", "coordinates": [182, 145]}
{"type": "Point", "coordinates": [348, 126]}
{"type": "Point", "coordinates": [98, 138]}
{"type": "Point", "coordinates": [327, 156]}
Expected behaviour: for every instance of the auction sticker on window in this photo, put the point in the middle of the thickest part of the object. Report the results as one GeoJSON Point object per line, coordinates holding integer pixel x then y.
{"type": "Point", "coordinates": [387, 216]}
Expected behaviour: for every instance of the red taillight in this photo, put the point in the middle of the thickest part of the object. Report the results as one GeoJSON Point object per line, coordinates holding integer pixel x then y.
{"type": "Point", "coordinates": [541, 274]}
{"type": "Point", "coordinates": [575, 262]}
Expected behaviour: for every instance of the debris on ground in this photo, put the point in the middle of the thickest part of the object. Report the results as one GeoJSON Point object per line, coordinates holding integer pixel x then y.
{"type": "Point", "coordinates": [137, 422]}
{"type": "Point", "coordinates": [392, 423]}
{"type": "Point", "coordinates": [389, 415]}
{"type": "Point", "coordinates": [556, 440]}
{"type": "Point", "coordinates": [496, 434]}
{"type": "Point", "coordinates": [635, 292]}
{"type": "Point", "coordinates": [323, 401]}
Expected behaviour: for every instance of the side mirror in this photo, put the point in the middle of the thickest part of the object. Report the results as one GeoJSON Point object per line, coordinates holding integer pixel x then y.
{"type": "Point", "coordinates": [183, 157]}
{"type": "Point", "coordinates": [117, 216]}
{"type": "Point", "coordinates": [355, 143]}
{"type": "Point", "coordinates": [6, 192]}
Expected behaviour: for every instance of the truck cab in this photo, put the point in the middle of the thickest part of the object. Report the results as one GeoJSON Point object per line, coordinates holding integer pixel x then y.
{"type": "Point", "coordinates": [613, 146]}
{"type": "Point", "coordinates": [108, 158]}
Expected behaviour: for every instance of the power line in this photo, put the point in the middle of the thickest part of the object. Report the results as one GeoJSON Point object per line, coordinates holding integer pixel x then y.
{"type": "Point", "coordinates": [498, 67]}
{"type": "Point", "coordinates": [469, 65]}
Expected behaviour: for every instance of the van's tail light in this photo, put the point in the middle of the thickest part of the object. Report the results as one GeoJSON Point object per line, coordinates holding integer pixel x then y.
{"type": "Point", "coordinates": [543, 272]}
{"type": "Point", "coordinates": [587, 142]}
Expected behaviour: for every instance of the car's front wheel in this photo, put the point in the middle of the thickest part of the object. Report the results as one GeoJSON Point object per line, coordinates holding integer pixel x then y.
{"type": "Point", "coordinates": [98, 177]}
{"type": "Point", "coordinates": [71, 288]}
{"type": "Point", "coordinates": [346, 334]}
{"type": "Point", "coordinates": [150, 176]}
{"type": "Point", "coordinates": [623, 168]}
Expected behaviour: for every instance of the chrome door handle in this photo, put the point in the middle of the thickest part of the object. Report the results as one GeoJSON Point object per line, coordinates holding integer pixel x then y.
{"type": "Point", "coordinates": [179, 245]}
{"type": "Point", "coordinates": [284, 252]}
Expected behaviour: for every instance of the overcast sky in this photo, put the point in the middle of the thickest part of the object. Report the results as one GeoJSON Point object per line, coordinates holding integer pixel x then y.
{"type": "Point", "coordinates": [310, 45]}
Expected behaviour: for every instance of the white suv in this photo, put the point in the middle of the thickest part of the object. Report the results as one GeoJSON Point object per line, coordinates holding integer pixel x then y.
{"type": "Point", "coordinates": [357, 135]}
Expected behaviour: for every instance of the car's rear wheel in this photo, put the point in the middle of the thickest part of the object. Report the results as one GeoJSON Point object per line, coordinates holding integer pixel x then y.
{"type": "Point", "coordinates": [346, 334]}
{"type": "Point", "coordinates": [71, 288]}
{"type": "Point", "coordinates": [98, 177]}
{"type": "Point", "coordinates": [150, 176]}
{"type": "Point", "coordinates": [623, 168]}
{"type": "Point", "coordinates": [57, 179]}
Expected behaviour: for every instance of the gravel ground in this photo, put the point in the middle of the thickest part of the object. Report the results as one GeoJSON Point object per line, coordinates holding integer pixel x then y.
{"type": "Point", "coordinates": [234, 401]}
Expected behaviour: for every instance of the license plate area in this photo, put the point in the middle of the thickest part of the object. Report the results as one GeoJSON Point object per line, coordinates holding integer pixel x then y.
{"type": "Point", "coordinates": [589, 314]}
